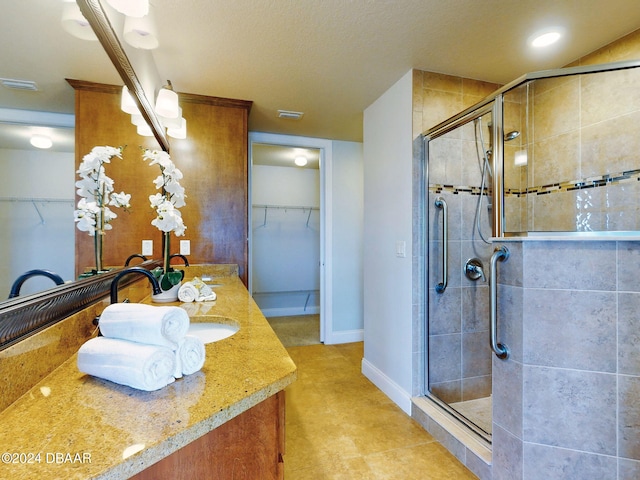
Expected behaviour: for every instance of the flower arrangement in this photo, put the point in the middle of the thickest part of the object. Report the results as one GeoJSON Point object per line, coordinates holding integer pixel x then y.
{"type": "Point", "coordinates": [93, 214]}
{"type": "Point", "coordinates": [168, 218]}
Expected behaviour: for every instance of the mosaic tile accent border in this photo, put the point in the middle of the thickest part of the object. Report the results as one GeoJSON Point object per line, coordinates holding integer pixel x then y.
{"type": "Point", "coordinates": [582, 184]}
{"type": "Point", "coordinates": [456, 190]}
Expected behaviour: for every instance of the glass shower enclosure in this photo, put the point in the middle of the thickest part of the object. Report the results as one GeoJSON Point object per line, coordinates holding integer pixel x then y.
{"type": "Point", "coordinates": [460, 204]}
{"type": "Point", "coordinates": [551, 154]}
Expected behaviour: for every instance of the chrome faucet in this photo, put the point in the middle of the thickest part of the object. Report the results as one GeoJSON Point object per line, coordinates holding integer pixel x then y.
{"type": "Point", "coordinates": [186, 262]}
{"type": "Point", "coordinates": [15, 288]}
{"type": "Point", "coordinates": [126, 271]}
{"type": "Point", "coordinates": [131, 257]}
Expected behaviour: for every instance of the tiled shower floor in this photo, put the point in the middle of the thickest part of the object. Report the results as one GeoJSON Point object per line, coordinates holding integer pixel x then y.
{"type": "Point", "coordinates": [478, 411]}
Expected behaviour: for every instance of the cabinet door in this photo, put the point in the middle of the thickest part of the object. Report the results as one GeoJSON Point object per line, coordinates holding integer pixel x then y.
{"type": "Point", "coordinates": [248, 447]}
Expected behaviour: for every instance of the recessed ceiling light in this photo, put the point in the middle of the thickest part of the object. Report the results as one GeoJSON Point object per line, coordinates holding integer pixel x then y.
{"type": "Point", "coordinates": [300, 161]}
{"type": "Point", "coordinates": [41, 141]}
{"type": "Point", "coordinates": [545, 37]}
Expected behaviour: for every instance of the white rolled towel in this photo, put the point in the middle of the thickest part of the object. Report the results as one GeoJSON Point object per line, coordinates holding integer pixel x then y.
{"type": "Point", "coordinates": [140, 366]}
{"type": "Point", "coordinates": [195, 291]}
{"type": "Point", "coordinates": [190, 355]}
{"type": "Point", "coordinates": [188, 292]}
{"type": "Point", "coordinates": [142, 323]}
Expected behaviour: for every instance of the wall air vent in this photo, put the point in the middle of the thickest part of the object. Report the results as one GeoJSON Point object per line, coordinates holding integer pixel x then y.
{"type": "Point", "coordinates": [290, 115]}
{"type": "Point", "coordinates": [19, 84]}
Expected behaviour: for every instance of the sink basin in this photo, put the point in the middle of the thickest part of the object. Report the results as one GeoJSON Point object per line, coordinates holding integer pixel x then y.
{"type": "Point", "coordinates": [210, 332]}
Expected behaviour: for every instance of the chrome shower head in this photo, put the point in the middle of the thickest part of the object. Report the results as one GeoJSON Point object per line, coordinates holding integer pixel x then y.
{"type": "Point", "coordinates": [511, 135]}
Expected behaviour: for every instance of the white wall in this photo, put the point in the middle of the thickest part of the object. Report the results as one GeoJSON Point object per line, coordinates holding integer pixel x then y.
{"type": "Point", "coordinates": [28, 241]}
{"type": "Point", "coordinates": [347, 233]}
{"type": "Point", "coordinates": [388, 220]}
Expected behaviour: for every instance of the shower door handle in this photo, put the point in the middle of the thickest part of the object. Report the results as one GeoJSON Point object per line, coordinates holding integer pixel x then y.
{"type": "Point", "coordinates": [440, 203]}
{"type": "Point", "coordinates": [501, 350]}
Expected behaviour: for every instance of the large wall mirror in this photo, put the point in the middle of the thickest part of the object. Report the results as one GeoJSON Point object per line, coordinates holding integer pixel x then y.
{"type": "Point", "coordinates": [38, 195]}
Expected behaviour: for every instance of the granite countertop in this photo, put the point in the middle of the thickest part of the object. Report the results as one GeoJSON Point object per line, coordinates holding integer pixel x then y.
{"type": "Point", "coordinates": [74, 426]}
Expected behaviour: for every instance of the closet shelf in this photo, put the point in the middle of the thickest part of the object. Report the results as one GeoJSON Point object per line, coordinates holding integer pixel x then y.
{"type": "Point", "coordinates": [34, 201]}
{"type": "Point", "coordinates": [39, 200]}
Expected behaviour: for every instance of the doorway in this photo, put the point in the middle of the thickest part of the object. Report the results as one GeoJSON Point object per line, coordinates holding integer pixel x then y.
{"type": "Point", "coordinates": [287, 240]}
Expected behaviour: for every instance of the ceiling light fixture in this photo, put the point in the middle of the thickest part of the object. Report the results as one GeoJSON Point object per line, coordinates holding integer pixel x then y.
{"type": "Point", "coordinates": [74, 22]}
{"type": "Point", "coordinates": [545, 37]}
{"type": "Point", "coordinates": [127, 104]}
{"type": "Point", "coordinates": [179, 132]}
{"type": "Point", "coordinates": [300, 161]}
{"type": "Point", "coordinates": [167, 108]}
{"type": "Point", "coordinates": [167, 102]}
{"type": "Point", "coordinates": [131, 8]}
{"type": "Point", "coordinates": [41, 141]}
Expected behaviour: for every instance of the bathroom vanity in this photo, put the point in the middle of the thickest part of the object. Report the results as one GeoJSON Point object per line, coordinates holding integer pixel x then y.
{"type": "Point", "coordinates": [225, 421]}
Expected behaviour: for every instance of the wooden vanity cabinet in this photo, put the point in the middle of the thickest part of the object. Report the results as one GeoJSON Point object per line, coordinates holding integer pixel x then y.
{"type": "Point", "coordinates": [247, 447]}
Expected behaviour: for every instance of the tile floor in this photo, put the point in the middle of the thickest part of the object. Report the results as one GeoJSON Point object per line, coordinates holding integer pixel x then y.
{"type": "Point", "coordinates": [339, 426]}
{"type": "Point", "coordinates": [297, 330]}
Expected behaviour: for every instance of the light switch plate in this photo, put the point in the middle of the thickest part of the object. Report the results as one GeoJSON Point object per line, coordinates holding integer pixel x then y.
{"type": "Point", "coordinates": [401, 249]}
{"type": "Point", "coordinates": [185, 247]}
{"type": "Point", "coordinates": [147, 247]}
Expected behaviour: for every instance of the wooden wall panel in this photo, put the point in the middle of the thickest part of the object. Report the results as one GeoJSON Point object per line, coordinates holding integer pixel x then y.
{"type": "Point", "coordinates": [213, 159]}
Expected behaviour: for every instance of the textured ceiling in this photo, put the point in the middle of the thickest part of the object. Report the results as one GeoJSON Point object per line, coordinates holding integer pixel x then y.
{"type": "Point", "coordinates": [328, 59]}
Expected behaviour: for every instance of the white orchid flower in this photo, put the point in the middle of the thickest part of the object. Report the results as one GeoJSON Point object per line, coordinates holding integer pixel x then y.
{"type": "Point", "coordinates": [166, 204]}
{"type": "Point", "coordinates": [96, 190]}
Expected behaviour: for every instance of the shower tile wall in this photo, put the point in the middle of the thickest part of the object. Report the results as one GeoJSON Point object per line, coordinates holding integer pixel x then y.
{"type": "Point", "coordinates": [567, 398]}
{"type": "Point", "coordinates": [577, 128]}
{"type": "Point", "coordinates": [460, 364]}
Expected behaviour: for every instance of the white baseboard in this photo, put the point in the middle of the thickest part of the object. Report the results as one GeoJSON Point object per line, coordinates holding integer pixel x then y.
{"type": "Point", "coordinates": [346, 336]}
{"type": "Point", "coordinates": [390, 388]}
{"type": "Point", "coordinates": [289, 312]}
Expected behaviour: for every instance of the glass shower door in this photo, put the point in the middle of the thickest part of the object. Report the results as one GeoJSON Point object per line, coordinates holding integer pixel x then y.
{"type": "Point", "coordinates": [459, 232]}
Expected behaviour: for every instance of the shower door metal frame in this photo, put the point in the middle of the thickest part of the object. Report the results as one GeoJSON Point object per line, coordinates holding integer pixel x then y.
{"type": "Point", "coordinates": [489, 105]}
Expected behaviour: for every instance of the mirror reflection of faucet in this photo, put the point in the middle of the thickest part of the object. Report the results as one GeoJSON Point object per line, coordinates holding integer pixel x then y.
{"type": "Point", "coordinates": [473, 269]}
{"type": "Point", "coordinates": [135, 255]}
{"type": "Point", "coordinates": [179, 255]}
{"type": "Point", "coordinates": [15, 288]}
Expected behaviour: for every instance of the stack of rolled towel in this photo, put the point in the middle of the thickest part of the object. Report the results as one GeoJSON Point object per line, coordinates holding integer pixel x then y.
{"type": "Point", "coordinates": [143, 346]}
{"type": "Point", "coordinates": [195, 291]}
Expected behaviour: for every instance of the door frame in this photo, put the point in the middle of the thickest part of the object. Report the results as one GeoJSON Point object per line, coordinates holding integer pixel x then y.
{"type": "Point", "coordinates": [326, 159]}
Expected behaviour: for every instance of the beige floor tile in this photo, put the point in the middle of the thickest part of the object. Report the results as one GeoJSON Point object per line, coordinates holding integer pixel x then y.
{"type": "Point", "coordinates": [340, 426]}
{"type": "Point", "coordinates": [429, 461]}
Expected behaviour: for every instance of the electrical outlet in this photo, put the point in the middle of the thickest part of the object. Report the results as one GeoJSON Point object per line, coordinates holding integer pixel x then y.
{"type": "Point", "coordinates": [147, 247]}
{"type": "Point", "coordinates": [185, 247]}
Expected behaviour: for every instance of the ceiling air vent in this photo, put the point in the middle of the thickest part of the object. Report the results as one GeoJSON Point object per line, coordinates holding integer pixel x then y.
{"type": "Point", "coordinates": [290, 115]}
{"type": "Point", "coordinates": [19, 84]}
